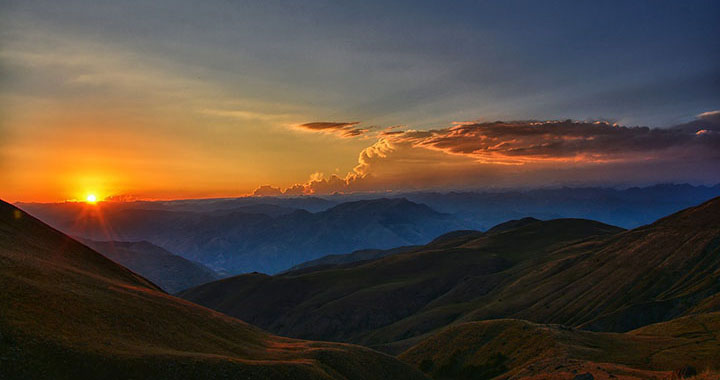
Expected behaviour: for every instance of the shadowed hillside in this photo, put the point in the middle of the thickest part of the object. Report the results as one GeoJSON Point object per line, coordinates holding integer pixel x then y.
{"type": "Point", "coordinates": [353, 303]}
{"type": "Point", "coordinates": [67, 312]}
{"type": "Point", "coordinates": [171, 272]}
{"type": "Point", "coordinates": [568, 271]}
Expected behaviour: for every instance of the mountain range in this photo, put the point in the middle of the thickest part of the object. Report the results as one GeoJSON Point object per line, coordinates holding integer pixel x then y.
{"type": "Point", "coordinates": [232, 241]}
{"type": "Point", "coordinates": [601, 281]}
{"type": "Point", "coordinates": [273, 234]}
{"type": "Point", "coordinates": [67, 312]}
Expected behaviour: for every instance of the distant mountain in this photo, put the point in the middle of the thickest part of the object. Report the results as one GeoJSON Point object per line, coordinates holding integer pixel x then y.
{"type": "Point", "coordinates": [573, 272]}
{"type": "Point", "coordinates": [328, 261]}
{"type": "Point", "coordinates": [67, 312]}
{"type": "Point", "coordinates": [355, 303]}
{"type": "Point", "coordinates": [236, 241]}
{"type": "Point", "coordinates": [628, 208]}
{"type": "Point", "coordinates": [519, 349]}
{"type": "Point", "coordinates": [170, 272]}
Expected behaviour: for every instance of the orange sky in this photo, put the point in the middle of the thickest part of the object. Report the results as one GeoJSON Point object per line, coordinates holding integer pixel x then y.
{"type": "Point", "coordinates": [154, 101]}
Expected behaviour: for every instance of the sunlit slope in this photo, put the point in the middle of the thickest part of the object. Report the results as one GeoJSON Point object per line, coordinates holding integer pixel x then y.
{"type": "Point", "coordinates": [67, 312]}
{"type": "Point", "coordinates": [519, 348]}
{"type": "Point", "coordinates": [649, 274]}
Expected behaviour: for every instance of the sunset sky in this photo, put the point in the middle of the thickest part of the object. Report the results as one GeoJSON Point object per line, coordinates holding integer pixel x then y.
{"type": "Point", "coordinates": [181, 99]}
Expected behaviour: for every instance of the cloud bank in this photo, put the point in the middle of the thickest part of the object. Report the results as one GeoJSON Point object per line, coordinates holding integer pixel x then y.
{"type": "Point", "coordinates": [524, 152]}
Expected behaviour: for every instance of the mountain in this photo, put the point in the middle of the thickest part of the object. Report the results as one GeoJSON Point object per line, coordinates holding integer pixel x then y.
{"type": "Point", "coordinates": [573, 272]}
{"type": "Point", "coordinates": [234, 242]}
{"type": "Point", "coordinates": [67, 312]}
{"type": "Point", "coordinates": [355, 303]}
{"type": "Point", "coordinates": [170, 272]}
{"type": "Point", "coordinates": [328, 261]}
{"type": "Point", "coordinates": [519, 349]}
{"type": "Point", "coordinates": [628, 208]}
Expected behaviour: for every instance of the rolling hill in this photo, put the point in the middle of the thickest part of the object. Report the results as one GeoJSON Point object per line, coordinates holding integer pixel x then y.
{"type": "Point", "coordinates": [67, 312]}
{"type": "Point", "coordinates": [352, 303]}
{"type": "Point", "coordinates": [170, 272]}
{"type": "Point", "coordinates": [573, 272]}
{"type": "Point", "coordinates": [519, 349]}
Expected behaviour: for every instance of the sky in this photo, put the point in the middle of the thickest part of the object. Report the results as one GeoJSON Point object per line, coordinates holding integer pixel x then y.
{"type": "Point", "coordinates": [185, 99]}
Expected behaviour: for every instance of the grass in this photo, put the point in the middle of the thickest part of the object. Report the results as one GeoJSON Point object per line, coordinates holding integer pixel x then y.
{"type": "Point", "coordinates": [67, 312]}
{"type": "Point", "coordinates": [519, 348]}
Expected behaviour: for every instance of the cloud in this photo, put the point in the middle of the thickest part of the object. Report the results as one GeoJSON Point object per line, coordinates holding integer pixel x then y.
{"type": "Point", "coordinates": [536, 141]}
{"type": "Point", "coordinates": [474, 154]}
{"type": "Point", "coordinates": [342, 129]}
{"type": "Point", "coordinates": [267, 191]}
{"type": "Point", "coordinates": [711, 115]}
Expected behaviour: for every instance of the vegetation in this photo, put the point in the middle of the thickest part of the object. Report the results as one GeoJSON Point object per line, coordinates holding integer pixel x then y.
{"type": "Point", "coordinates": [67, 312]}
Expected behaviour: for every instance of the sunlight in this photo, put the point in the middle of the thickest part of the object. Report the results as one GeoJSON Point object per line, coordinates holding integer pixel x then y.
{"type": "Point", "coordinates": [91, 198]}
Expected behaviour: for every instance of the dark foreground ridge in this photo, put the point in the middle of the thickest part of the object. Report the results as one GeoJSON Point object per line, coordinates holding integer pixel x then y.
{"type": "Point", "coordinates": [67, 312]}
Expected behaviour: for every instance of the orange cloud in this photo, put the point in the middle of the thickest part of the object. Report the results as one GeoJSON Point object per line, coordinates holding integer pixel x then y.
{"type": "Point", "coordinates": [521, 152]}
{"type": "Point", "coordinates": [342, 129]}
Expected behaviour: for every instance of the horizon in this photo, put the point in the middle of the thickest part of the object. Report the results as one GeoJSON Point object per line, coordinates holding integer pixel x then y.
{"type": "Point", "coordinates": [382, 194]}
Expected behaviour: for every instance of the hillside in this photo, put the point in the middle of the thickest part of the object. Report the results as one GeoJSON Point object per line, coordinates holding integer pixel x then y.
{"type": "Point", "coordinates": [352, 303]}
{"type": "Point", "coordinates": [236, 241]}
{"type": "Point", "coordinates": [170, 272]}
{"type": "Point", "coordinates": [67, 312]}
{"type": "Point", "coordinates": [516, 348]}
{"type": "Point", "coordinates": [329, 261]}
{"type": "Point", "coordinates": [568, 271]}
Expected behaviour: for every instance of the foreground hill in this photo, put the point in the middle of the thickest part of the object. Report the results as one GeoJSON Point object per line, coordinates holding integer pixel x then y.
{"type": "Point", "coordinates": [67, 312]}
{"type": "Point", "coordinates": [516, 348]}
{"type": "Point", "coordinates": [170, 272]}
{"type": "Point", "coordinates": [352, 303]}
{"type": "Point", "coordinates": [567, 271]}
{"type": "Point", "coordinates": [236, 241]}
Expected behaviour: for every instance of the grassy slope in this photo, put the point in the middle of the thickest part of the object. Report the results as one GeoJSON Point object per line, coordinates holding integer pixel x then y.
{"type": "Point", "coordinates": [569, 271]}
{"type": "Point", "coordinates": [523, 349]}
{"type": "Point", "coordinates": [171, 272]}
{"type": "Point", "coordinates": [68, 312]}
{"type": "Point", "coordinates": [650, 274]}
{"type": "Point", "coordinates": [350, 303]}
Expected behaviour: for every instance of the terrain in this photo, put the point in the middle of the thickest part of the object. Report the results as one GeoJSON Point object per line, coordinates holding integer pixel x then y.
{"type": "Point", "coordinates": [170, 272]}
{"type": "Point", "coordinates": [517, 349]}
{"type": "Point", "coordinates": [67, 312]}
{"type": "Point", "coordinates": [573, 272]}
{"type": "Point", "coordinates": [236, 240]}
{"type": "Point", "coordinates": [368, 303]}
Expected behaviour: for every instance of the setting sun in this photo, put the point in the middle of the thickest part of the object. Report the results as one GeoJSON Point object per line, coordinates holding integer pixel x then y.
{"type": "Point", "coordinates": [91, 198]}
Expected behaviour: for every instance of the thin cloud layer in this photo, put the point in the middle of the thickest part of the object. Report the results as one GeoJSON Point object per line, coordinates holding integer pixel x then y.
{"type": "Point", "coordinates": [342, 129]}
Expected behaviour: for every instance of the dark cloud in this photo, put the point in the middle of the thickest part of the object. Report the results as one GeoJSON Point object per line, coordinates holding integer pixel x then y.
{"type": "Point", "coordinates": [343, 129]}
{"type": "Point", "coordinates": [567, 140]}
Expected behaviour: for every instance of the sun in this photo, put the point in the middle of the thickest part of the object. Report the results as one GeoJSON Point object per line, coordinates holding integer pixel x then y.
{"type": "Point", "coordinates": [91, 198]}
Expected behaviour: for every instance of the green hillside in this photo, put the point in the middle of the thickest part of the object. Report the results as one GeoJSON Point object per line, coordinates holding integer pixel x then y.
{"type": "Point", "coordinates": [509, 347]}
